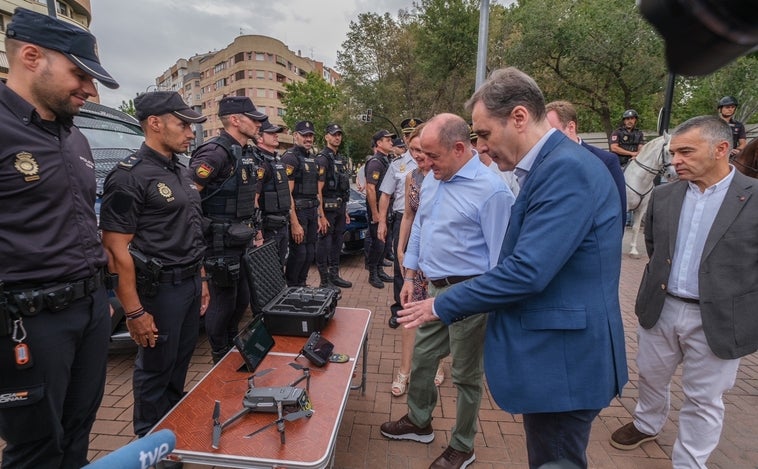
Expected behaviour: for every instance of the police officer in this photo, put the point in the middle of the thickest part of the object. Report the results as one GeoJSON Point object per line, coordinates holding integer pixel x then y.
{"type": "Point", "coordinates": [305, 219]}
{"type": "Point", "coordinates": [273, 192]}
{"type": "Point", "coordinates": [334, 179]}
{"type": "Point", "coordinates": [224, 170]}
{"type": "Point", "coordinates": [376, 168]}
{"type": "Point", "coordinates": [54, 321]}
{"type": "Point", "coordinates": [152, 232]}
{"type": "Point", "coordinates": [727, 107]}
{"type": "Point", "coordinates": [626, 141]}
{"type": "Point", "coordinates": [393, 190]}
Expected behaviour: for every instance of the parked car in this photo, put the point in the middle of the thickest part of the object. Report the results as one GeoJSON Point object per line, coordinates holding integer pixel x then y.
{"type": "Point", "coordinates": [113, 135]}
{"type": "Point", "coordinates": [357, 229]}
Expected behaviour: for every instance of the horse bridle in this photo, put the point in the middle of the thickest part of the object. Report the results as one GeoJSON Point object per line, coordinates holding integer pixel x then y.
{"type": "Point", "coordinates": [659, 172]}
{"type": "Point", "coordinates": [734, 160]}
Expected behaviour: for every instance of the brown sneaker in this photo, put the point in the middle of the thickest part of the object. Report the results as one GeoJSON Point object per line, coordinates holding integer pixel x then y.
{"type": "Point", "coordinates": [451, 458]}
{"type": "Point", "coordinates": [628, 437]}
{"type": "Point", "coordinates": [404, 429]}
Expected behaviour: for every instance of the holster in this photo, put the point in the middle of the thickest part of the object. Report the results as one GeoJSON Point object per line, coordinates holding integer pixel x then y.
{"type": "Point", "coordinates": [273, 222]}
{"type": "Point", "coordinates": [223, 271]}
{"type": "Point", "coordinates": [332, 203]}
{"type": "Point", "coordinates": [147, 273]}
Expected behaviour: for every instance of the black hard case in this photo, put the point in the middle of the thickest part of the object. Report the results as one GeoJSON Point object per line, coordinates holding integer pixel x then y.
{"type": "Point", "coordinates": [296, 311]}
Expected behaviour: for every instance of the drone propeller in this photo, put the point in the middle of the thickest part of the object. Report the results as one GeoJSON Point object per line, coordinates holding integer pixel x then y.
{"type": "Point", "coordinates": [216, 425]}
{"type": "Point", "coordinates": [280, 422]}
{"type": "Point", "coordinates": [306, 375]}
{"type": "Point", "coordinates": [258, 375]}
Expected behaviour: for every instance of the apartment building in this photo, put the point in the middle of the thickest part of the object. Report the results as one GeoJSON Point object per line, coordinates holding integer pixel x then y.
{"type": "Point", "coordinates": [76, 12]}
{"type": "Point", "coordinates": [254, 66]}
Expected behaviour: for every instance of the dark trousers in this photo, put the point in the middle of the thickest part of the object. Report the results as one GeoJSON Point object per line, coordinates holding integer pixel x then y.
{"type": "Point", "coordinates": [329, 245]}
{"type": "Point", "coordinates": [558, 436]}
{"type": "Point", "coordinates": [397, 279]}
{"type": "Point", "coordinates": [301, 255]}
{"type": "Point", "coordinates": [281, 236]}
{"type": "Point", "coordinates": [160, 372]}
{"type": "Point", "coordinates": [226, 308]}
{"type": "Point", "coordinates": [69, 350]}
{"type": "Point", "coordinates": [376, 245]}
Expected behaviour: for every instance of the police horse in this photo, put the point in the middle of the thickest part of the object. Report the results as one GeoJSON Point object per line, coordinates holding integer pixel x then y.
{"type": "Point", "coordinates": [653, 160]}
{"type": "Point", "coordinates": [747, 161]}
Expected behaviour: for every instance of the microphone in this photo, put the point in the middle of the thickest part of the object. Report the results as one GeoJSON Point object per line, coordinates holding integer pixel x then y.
{"type": "Point", "coordinates": [139, 454]}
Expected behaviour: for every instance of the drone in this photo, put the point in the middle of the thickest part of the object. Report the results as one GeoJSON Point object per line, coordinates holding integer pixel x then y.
{"type": "Point", "coordinates": [289, 402]}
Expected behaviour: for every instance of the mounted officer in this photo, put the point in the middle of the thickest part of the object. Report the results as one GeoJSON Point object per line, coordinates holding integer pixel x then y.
{"type": "Point", "coordinates": [627, 140]}
{"type": "Point", "coordinates": [225, 172]}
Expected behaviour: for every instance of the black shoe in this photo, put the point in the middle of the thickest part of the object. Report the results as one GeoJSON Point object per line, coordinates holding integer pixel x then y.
{"type": "Point", "coordinates": [390, 257]}
{"type": "Point", "coordinates": [393, 322]}
{"type": "Point", "coordinates": [339, 281]}
{"type": "Point", "coordinates": [386, 263]}
{"type": "Point", "coordinates": [374, 280]}
{"type": "Point", "coordinates": [384, 277]}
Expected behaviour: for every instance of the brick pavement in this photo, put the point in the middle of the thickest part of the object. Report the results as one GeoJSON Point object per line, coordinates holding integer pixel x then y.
{"type": "Point", "coordinates": [500, 442]}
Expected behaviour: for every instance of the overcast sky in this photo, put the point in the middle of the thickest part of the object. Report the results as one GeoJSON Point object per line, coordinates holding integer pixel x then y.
{"type": "Point", "coordinates": [139, 39]}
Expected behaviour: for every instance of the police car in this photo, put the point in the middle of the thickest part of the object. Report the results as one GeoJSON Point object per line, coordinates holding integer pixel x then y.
{"type": "Point", "coordinates": [113, 135]}
{"type": "Point", "coordinates": [356, 230]}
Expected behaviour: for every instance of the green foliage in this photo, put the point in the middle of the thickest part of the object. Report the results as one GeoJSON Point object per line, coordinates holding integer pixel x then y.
{"type": "Point", "coordinates": [600, 55]}
{"type": "Point", "coordinates": [128, 107]}
{"type": "Point", "coordinates": [313, 99]}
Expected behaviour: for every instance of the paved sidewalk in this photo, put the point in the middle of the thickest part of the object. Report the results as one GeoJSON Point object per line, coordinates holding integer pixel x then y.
{"type": "Point", "coordinates": [500, 442]}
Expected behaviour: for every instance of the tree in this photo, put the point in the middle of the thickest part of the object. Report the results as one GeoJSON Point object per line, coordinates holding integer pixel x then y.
{"type": "Point", "coordinates": [313, 99]}
{"type": "Point", "coordinates": [602, 56]}
{"type": "Point", "coordinates": [128, 107]}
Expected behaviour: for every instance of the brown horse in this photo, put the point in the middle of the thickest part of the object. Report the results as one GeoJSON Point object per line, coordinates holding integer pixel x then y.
{"type": "Point", "coordinates": [747, 161]}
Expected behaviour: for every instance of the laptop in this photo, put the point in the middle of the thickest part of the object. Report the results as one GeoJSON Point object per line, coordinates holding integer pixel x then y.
{"type": "Point", "coordinates": [253, 343]}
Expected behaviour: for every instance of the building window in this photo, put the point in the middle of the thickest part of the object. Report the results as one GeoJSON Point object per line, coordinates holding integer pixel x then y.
{"type": "Point", "coordinates": [239, 57]}
{"type": "Point", "coordinates": [219, 67]}
{"type": "Point", "coordinates": [2, 23]}
{"type": "Point", "coordinates": [270, 75]}
{"type": "Point", "coordinates": [260, 93]}
{"type": "Point", "coordinates": [61, 8]}
{"type": "Point", "coordinates": [260, 56]}
{"type": "Point", "coordinates": [197, 83]}
{"type": "Point", "coordinates": [220, 83]}
{"type": "Point", "coordinates": [260, 74]}
{"type": "Point", "coordinates": [240, 92]}
{"type": "Point", "coordinates": [239, 75]}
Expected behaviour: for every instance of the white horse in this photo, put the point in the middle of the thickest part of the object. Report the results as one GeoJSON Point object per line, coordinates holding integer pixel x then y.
{"type": "Point", "coordinates": [653, 159]}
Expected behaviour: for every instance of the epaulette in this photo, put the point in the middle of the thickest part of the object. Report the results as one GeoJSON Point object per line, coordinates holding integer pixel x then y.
{"type": "Point", "coordinates": [129, 162]}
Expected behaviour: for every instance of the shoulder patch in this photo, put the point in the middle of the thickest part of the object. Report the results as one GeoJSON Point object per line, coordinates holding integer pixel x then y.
{"type": "Point", "coordinates": [290, 169]}
{"type": "Point", "coordinates": [129, 162]}
{"type": "Point", "coordinates": [261, 172]}
{"type": "Point", "coordinates": [375, 175]}
{"type": "Point", "coordinates": [321, 170]}
{"type": "Point", "coordinates": [614, 137]}
{"type": "Point", "coordinates": [204, 170]}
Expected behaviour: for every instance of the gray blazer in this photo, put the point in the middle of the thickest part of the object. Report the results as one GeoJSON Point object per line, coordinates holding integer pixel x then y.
{"type": "Point", "coordinates": [728, 275]}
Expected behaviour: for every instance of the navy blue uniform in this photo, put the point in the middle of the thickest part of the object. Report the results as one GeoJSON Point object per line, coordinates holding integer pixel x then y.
{"type": "Point", "coordinates": [48, 240]}
{"type": "Point", "coordinates": [155, 199]}
{"type": "Point", "coordinates": [738, 132]}
{"type": "Point", "coordinates": [274, 200]}
{"type": "Point", "coordinates": [629, 140]}
{"type": "Point", "coordinates": [302, 168]}
{"type": "Point", "coordinates": [336, 193]}
{"type": "Point", "coordinates": [226, 172]}
{"type": "Point", "coordinates": [376, 168]}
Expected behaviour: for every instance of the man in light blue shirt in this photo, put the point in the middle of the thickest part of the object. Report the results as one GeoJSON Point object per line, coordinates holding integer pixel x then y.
{"type": "Point", "coordinates": [457, 234]}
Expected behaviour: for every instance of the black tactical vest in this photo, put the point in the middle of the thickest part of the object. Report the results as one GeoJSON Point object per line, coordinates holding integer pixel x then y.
{"type": "Point", "coordinates": [306, 175]}
{"type": "Point", "coordinates": [337, 182]}
{"type": "Point", "coordinates": [275, 194]}
{"type": "Point", "coordinates": [233, 198]}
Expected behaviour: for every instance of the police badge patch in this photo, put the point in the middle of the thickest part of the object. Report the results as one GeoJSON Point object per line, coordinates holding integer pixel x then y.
{"type": "Point", "coordinates": [321, 171]}
{"type": "Point", "coordinates": [375, 175]}
{"type": "Point", "coordinates": [27, 165]}
{"type": "Point", "coordinates": [165, 191]}
{"type": "Point", "coordinates": [290, 169]}
{"type": "Point", "coordinates": [261, 172]}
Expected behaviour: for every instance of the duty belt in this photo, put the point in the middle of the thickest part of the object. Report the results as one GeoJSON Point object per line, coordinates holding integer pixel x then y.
{"type": "Point", "coordinates": [179, 273]}
{"type": "Point", "coordinates": [452, 280]}
{"type": "Point", "coordinates": [306, 203]}
{"type": "Point", "coordinates": [54, 298]}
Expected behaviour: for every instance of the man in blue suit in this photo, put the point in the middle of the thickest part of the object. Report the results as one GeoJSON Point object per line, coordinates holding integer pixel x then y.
{"type": "Point", "coordinates": [554, 347]}
{"type": "Point", "coordinates": [562, 115]}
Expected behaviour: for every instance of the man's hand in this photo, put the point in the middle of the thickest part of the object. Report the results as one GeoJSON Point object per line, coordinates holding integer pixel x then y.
{"type": "Point", "coordinates": [416, 313]}
{"type": "Point", "coordinates": [143, 330]}
{"type": "Point", "coordinates": [381, 230]}
{"type": "Point", "coordinates": [205, 297]}
{"type": "Point", "coordinates": [323, 224]}
{"type": "Point", "coordinates": [297, 233]}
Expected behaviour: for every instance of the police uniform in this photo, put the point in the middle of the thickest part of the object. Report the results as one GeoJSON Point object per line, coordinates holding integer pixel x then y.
{"type": "Point", "coordinates": [394, 186]}
{"type": "Point", "coordinates": [274, 198]}
{"type": "Point", "coordinates": [301, 167]}
{"type": "Point", "coordinates": [738, 132]}
{"type": "Point", "coordinates": [629, 140]}
{"type": "Point", "coordinates": [155, 199]}
{"type": "Point", "coordinates": [335, 175]}
{"type": "Point", "coordinates": [51, 278]}
{"type": "Point", "coordinates": [376, 168]}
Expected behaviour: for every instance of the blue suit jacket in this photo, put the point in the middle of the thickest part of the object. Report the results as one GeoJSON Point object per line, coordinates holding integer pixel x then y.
{"type": "Point", "coordinates": [611, 161]}
{"type": "Point", "coordinates": [555, 340]}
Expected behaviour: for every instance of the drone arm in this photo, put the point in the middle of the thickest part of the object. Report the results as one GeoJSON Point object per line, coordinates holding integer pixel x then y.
{"type": "Point", "coordinates": [235, 417]}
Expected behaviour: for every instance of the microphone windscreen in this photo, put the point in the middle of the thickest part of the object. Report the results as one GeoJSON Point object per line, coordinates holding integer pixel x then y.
{"type": "Point", "coordinates": [139, 454]}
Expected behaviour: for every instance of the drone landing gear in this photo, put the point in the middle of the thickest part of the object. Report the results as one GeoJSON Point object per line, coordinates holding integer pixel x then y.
{"type": "Point", "coordinates": [279, 422]}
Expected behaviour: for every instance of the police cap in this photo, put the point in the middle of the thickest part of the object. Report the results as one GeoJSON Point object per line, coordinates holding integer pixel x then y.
{"type": "Point", "coordinates": [332, 129]}
{"type": "Point", "coordinates": [240, 105]}
{"type": "Point", "coordinates": [77, 44]}
{"type": "Point", "coordinates": [381, 134]}
{"type": "Point", "coordinates": [409, 125]}
{"type": "Point", "coordinates": [727, 101]}
{"type": "Point", "coordinates": [304, 128]}
{"type": "Point", "coordinates": [398, 142]}
{"type": "Point", "coordinates": [158, 103]}
{"type": "Point", "coordinates": [630, 113]}
{"type": "Point", "coordinates": [269, 128]}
